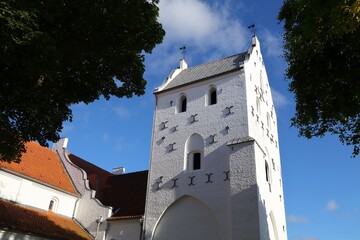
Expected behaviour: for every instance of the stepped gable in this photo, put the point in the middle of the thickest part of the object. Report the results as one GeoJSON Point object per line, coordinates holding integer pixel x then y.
{"type": "Point", "coordinates": [125, 193]}
{"type": "Point", "coordinates": [94, 173]}
{"type": "Point", "coordinates": [41, 223]}
{"type": "Point", "coordinates": [41, 164]}
{"type": "Point", "coordinates": [207, 70]}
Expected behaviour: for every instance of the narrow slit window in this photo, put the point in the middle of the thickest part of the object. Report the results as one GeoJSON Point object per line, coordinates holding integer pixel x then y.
{"type": "Point", "coordinates": [183, 103]}
{"type": "Point", "coordinates": [213, 97]}
{"type": "Point", "coordinates": [51, 205]}
{"type": "Point", "coordinates": [197, 161]}
{"type": "Point", "coordinates": [267, 172]}
{"type": "Point", "coordinates": [258, 108]}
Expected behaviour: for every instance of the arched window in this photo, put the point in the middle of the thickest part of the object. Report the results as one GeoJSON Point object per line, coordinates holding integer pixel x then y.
{"type": "Point", "coordinates": [193, 153]}
{"type": "Point", "coordinates": [182, 103]}
{"type": "Point", "coordinates": [53, 204]}
{"type": "Point", "coordinates": [212, 96]}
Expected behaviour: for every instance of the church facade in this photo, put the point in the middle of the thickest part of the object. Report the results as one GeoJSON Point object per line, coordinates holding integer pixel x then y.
{"type": "Point", "coordinates": [215, 169]}
{"type": "Point", "coordinates": [214, 172]}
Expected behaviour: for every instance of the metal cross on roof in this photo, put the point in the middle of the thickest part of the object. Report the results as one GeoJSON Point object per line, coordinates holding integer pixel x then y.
{"type": "Point", "coordinates": [252, 28]}
{"type": "Point", "coordinates": [183, 51]}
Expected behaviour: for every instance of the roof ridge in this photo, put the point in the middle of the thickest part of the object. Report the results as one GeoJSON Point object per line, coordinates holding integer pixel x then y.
{"type": "Point", "coordinates": [216, 60]}
{"type": "Point", "coordinates": [87, 162]}
{"type": "Point", "coordinates": [205, 71]}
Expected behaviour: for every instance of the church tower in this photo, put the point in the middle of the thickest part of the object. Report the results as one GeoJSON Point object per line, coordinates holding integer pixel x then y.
{"type": "Point", "coordinates": [215, 170]}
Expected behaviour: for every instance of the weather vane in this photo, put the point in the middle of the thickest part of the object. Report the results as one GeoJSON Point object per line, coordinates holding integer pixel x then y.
{"type": "Point", "coordinates": [183, 51]}
{"type": "Point", "coordinates": [252, 28]}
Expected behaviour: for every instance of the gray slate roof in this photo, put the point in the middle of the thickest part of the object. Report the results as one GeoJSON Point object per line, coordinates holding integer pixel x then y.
{"type": "Point", "coordinates": [207, 70]}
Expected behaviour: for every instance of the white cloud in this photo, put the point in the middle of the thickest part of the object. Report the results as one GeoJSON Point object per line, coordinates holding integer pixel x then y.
{"type": "Point", "coordinates": [331, 205]}
{"type": "Point", "coordinates": [187, 20]}
{"type": "Point", "coordinates": [105, 137]}
{"type": "Point", "coordinates": [272, 43]}
{"type": "Point", "coordinates": [279, 99]}
{"type": "Point", "coordinates": [206, 30]}
{"type": "Point", "coordinates": [121, 111]}
{"type": "Point", "coordinates": [296, 219]}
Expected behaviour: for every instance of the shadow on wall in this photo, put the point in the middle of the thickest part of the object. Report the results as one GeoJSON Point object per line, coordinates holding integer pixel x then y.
{"type": "Point", "coordinates": [187, 218]}
{"type": "Point", "coordinates": [265, 234]}
{"type": "Point", "coordinates": [248, 218]}
{"type": "Point", "coordinates": [18, 236]}
{"type": "Point", "coordinates": [248, 215]}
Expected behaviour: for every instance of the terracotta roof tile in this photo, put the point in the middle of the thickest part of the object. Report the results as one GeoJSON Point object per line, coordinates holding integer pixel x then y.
{"type": "Point", "coordinates": [41, 223]}
{"type": "Point", "coordinates": [44, 165]}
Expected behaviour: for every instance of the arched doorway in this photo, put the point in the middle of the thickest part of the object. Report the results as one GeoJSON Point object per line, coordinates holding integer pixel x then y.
{"type": "Point", "coordinates": [185, 219]}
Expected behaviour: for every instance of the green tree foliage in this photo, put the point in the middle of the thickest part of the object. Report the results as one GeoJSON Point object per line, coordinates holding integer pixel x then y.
{"type": "Point", "coordinates": [57, 53]}
{"type": "Point", "coordinates": [321, 47]}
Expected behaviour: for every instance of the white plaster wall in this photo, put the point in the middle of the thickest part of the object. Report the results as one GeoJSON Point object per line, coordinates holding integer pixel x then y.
{"type": "Point", "coordinates": [9, 186]}
{"type": "Point", "coordinates": [14, 235]}
{"type": "Point", "coordinates": [33, 194]}
{"type": "Point", "coordinates": [244, 193]}
{"type": "Point", "coordinates": [124, 229]}
{"type": "Point", "coordinates": [210, 120]}
{"type": "Point", "coordinates": [266, 137]}
{"type": "Point", "coordinates": [187, 218]}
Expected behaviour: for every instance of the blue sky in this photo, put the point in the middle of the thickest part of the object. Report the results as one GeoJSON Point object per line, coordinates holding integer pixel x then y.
{"type": "Point", "coordinates": [321, 180]}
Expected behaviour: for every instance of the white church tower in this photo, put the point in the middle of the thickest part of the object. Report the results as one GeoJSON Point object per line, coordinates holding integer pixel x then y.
{"type": "Point", "coordinates": [215, 170]}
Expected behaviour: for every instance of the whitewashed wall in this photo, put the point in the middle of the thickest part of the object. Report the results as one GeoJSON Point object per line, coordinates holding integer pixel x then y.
{"type": "Point", "coordinates": [14, 235]}
{"type": "Point", "coordinates": [34, 194]}
{"type": "Point", "coordinates": [263, 128]}
{"type": "Point", "coordinates": [128, 229]}
{"type": "Point", "coordinates": [211, 119]}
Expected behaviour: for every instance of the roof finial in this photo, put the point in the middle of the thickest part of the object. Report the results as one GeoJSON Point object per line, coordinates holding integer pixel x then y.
{"type": "Point", "coordinates": [183, 51]}
{"type": "Point", "coordinates": [252, 27]}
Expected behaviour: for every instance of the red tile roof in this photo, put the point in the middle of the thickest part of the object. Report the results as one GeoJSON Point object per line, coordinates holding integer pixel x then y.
{"type": "Point", "coordinates": [41, 223]}
{"type": "Point", "coordinates": [44, 165]}
{"type": "Point", "coordinates": [126, 192]}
